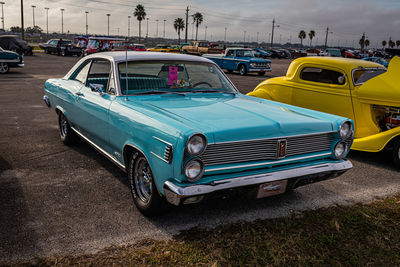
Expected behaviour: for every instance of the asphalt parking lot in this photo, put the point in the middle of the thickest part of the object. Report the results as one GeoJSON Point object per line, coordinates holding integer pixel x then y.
{"type": "Point", "coordinates": [67, 200]}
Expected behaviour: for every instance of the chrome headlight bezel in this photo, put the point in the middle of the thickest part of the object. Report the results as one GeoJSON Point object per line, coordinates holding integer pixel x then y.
{"type": "Point", "coordinates": [344, 150]}
{"type": "Point", "coordinates": [343, 133]}
{"type": "Point", "coordinates": [191, 163]}
{"type": "Point", "coordinates": [191, 139]}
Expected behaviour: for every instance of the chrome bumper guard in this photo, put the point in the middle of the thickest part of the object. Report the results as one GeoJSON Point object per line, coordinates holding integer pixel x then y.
{"type": "Point", "coordinates": [194, 193]}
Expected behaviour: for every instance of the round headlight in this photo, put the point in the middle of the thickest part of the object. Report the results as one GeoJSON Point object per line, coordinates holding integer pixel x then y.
{"type": "Point", "coordinates": [340, 150]}
{"type": "Point", "coordinates": [196, 144]}
{"type": "Point", "coordinates": [194, 170]}
{"type": "Point", "coordinates": [346, 130]}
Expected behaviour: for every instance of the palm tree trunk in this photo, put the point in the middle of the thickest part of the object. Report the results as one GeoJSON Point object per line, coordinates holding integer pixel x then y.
{"type": "Point", "coordinates": [301, 43]}
{"type": "Point", "coordinates": [140, 29]}
{"type": "Point", "coordinates": [179, 37]}
{"type": "Point", "coordinates": [197, 30]}
{"type": "Point", "coordinates": [310, 42]}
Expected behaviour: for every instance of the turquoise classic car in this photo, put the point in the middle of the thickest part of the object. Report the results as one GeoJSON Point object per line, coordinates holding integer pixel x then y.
{"type": "Point", "coordinates": [181, 130]}
{"type": "Point", "coordinates": [9, 59]}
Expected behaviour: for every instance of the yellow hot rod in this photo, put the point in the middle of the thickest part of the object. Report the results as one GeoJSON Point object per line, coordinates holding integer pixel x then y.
{"type": "Point", "coordinates": [364, 91]}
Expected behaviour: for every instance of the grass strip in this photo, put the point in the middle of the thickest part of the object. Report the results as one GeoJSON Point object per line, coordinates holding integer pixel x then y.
{"type": "Point", "coordinates": [358, 235]}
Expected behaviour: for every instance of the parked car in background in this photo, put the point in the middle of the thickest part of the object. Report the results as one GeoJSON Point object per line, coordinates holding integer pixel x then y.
{"type": "Point", "coordinates": [275, 53]}
{"type": "Point", "coordinates": [294, 53]}
{"type": "Point", "coordinates": [360, 90]}
{"type": "Point", "coordinates": [259, 52]}
{"type": "Point", "coordinates": [164, 48]}
{"type": "Point", "coordinates": [381, 54]}
{"type": "Point", "coordinates": [377, 60]}
{"type": "Point", "coordinates": [330, 52]}
{"type": "Point", "coordinates": [285, 53]}
{"type": "Point", "coordinates": [179, 128]}
{"type": "Point", "coordinates": [61, 47]}
{"type": "Point", "coordinates": [200, 48]}
{"type": "Point", "coordinates": [9, 59]}
{"type": "Point", "coordinates": [125, 45]}
{"type": "Point", "coordinates": [242, 60]}
{"type": "Point", "coordinates": [15, 44]}
{"type": "Point", "coordinates": [351, 54]}
{"type": "Point", "coordinates": [98, 44]}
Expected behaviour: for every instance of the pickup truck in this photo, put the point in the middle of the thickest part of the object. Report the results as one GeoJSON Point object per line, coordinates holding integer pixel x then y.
{"type": "Point", "coordinates": [242, 60]}
{"type": "Point", "coordinates": [65, 48]}
{"type": "Point", "coordinates": [200, 48]}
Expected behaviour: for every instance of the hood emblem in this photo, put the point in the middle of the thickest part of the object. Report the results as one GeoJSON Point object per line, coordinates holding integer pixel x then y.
{"type": "Point", "coordinates": [281, 148]}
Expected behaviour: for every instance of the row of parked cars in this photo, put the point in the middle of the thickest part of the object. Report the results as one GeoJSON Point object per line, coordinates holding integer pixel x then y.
{"type": "Point", "coordinates": [12, 52]}
{"type": "Point", "coordinates": [182, 132]}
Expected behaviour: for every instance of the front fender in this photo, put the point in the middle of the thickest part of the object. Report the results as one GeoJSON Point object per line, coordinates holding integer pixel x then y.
{"type": "Point", "coordinates": [260, 93]}
{"type": "Point", "coordinates": [376, 142]}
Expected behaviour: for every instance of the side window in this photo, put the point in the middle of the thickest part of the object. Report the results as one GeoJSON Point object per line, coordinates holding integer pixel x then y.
{"type": "Point", "coordinates": [82, 74]}
{"type": "Point", "coordinates": [99, 74]}
{"type": "Point", "coordinates": [230, 53]}
{"type": "Point", "coordinates": [322, 76]}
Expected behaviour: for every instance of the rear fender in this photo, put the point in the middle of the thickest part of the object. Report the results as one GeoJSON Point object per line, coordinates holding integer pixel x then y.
{"type": "Point", "coordinates": [376, 142]}
{"type": "Point", "coordinates": [261, 93]}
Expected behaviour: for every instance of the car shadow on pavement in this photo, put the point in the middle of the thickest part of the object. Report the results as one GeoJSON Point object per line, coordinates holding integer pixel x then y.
{"type": "Point", "coordinates": [17, 235]}
{"type": "Point", "coordinates": [382, 159]}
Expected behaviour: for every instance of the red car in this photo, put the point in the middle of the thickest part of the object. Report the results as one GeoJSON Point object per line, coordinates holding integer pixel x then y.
{"type": "Point", "coordinates": [124, 45]}
{"type": "Point", "coordinates": [351, 54]}
{"type": "Point", "coordinates": [99, 44]}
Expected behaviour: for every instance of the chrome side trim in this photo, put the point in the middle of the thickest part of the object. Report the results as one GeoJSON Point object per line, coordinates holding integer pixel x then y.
{"type": "Point", "coordinates": [154, 154]}
{"type": "Point", "coordinates": [175, 193]}
{"type": "Point", "coordinates": [210, 169]}
{"type": "Point", "coordinates": [165, 142]}
{"type": "Point", "coordinates": [280, 137]}
{"type": "Point", "coordinates": [110, 157]}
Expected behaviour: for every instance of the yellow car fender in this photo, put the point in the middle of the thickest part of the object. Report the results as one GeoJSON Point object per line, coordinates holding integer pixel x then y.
{"type": "Point", "coordinates": [376, 142]}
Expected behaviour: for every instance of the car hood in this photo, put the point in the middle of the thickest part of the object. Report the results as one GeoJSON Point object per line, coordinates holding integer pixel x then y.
{"type": "Point", "coordinates": [239, 117]}
{"type": "Point", "coordinates": [384, 88]}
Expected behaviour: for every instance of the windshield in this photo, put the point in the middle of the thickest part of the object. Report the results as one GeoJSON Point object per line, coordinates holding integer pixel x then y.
{"type": "Point", "coordinates": [171, 77]}
{"type": "Point", "coordinates": [360, 76]}
{"type": "Point", "coordinates": [244, 53]}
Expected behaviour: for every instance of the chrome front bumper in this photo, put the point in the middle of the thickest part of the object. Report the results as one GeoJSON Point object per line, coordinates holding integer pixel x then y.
{"type": "Point", "coordinates": [176, 194]}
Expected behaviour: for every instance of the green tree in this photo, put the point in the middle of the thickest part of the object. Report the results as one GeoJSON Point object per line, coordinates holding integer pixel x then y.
{"type": "Point", "coordinates": [35, 29]}
{"type": "Point", "coordinates": [311, 35]}
{"type": "Point", "coordinates": [397, 43]}
{"type": "Point", "coordinates": [197, 19]}
{"type": "Point", "coordinates": [302, 35]}
{"type": "Point", "coordinates": [140, 15]}
{"type": "Point", "coordinates": [179, 25]}
{"type": "Point", "coordinates": [384, 43]}
{"type": "Point", "coordinates": [366, 43]}
{"type": "Point", "coordinates": [391, 43]}
{"type": "Point", "coordinates": [15, 29]}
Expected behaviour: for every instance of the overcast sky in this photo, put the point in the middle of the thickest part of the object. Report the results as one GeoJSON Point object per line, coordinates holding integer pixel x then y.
{"type": "Point", "coordinates": [347, 19]}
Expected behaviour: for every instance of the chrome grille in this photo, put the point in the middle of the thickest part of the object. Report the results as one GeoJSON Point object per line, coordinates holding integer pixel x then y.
{"type": "Point", "coordinates": [265, 149]}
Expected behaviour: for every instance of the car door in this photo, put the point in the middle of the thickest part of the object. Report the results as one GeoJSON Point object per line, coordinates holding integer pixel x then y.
{"type": "Point", "coordinates": [229, 60]}
{"type": "Point", "coordinates": [95, 98]}
{"type": "Point", "coordinates": [323, 88]}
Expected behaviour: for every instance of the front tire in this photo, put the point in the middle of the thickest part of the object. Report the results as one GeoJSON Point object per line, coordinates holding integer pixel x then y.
{"type": "Point", "coordinates": [242, 70]}
{"type": "Point", "coordinates": [67, 135]}
{"type": "Point", "coordinates": [396, 153]}
{"type": "Point", "coordinates": [63, 53]}
{"type": "Point", "coordinates": [261, 73]}
{"type": "Point", "coordinates": [4, 68]}
{"type": "Point", "coordinates": [143, 188]}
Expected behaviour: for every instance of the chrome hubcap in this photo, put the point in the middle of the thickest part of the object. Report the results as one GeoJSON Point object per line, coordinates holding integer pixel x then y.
{"type": "Point", "coordinates": [143, 180]}
{"type": "Point", "coordinates": [3, 67]}
{"type": "Point", "coordinates": [63, 126]}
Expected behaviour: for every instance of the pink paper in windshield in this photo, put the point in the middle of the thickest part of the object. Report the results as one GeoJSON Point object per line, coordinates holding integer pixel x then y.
{"type": "Point", "coordinates": [173, 75]}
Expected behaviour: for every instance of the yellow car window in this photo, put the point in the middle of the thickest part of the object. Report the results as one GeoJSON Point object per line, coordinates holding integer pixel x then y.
{"type": "Point", "coordinates": [322, 76]}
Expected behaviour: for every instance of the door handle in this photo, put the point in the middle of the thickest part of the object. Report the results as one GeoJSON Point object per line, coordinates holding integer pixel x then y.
{"type": "Point", "coordinates": [79, 94]}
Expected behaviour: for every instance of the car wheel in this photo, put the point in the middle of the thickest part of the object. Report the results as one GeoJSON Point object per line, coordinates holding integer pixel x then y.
{"type": "Point", "coordinates": [67, 135]}
{"type": "Point", "coordinates": [261, 73]}
{"type": "Point", "coordinates": [144, 191]}
{"type": "Point", "coordinates": [396, 153]}
{"type": "Point", "coordinates": [47, 51]}
{"type": "Point", "coordinates": [4, 68]}
{"type": "Point", "coordinates": [63, 53]}
{"type": "Point", "coordinates": [242, 70]}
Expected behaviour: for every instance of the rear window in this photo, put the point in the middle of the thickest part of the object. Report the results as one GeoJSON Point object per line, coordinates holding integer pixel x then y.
{"type": "Point", "coordinates": [322, 76]}
{"type": "Point", "coordinates": [360, 76]}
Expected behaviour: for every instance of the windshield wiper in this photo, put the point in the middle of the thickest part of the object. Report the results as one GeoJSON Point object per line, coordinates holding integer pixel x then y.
{"type": "Point", "coordinates": [158, 92]}
{"type": "Point", "coordinates": [211, 91]}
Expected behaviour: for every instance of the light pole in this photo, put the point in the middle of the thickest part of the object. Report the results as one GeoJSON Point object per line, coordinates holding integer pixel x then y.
{"type": "Point", "coordinates": [108, 24]}
{"type": "Point", "coordinates": [33, 15]}
{"type": "Point", "coordinates": [47, 20]}
{"type": "Point", "coordinates": [2, 15]}
{"type": "Point", "coordinates": [129, 25]}
{"type": "Point", "coordinates": [205, 33]}
{"type": "Point", "coordinates": [257, 37]}
{"type": "Point", "coordinates": [86, 19]}
{"type": "Point", "coordinates": [225, 35]}
{"type": "Point", "coordinates": [62, 20]}
{"type": "Point", "coordinates": [157, 28]}
{"type": "Point", "coordinates": [164, 28]}
{"type": "Point", "coordinates": [273, 28]}
{"type": "Point", "coordinates": [147, 28]}
{"type": "Point", "coordinates": [22, 20]}
{"type": "Point", "coordinates": [244, 36]}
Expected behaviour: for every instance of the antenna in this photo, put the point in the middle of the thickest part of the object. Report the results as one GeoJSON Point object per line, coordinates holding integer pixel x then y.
{"type": "Point", "coordinates": [126, 73]}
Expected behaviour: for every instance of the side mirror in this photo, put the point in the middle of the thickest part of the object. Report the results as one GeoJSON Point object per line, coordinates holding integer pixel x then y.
{"type": "Point", "coordinates": [341, 80]}
{"type": "Point", "coordinates": [95, 87]}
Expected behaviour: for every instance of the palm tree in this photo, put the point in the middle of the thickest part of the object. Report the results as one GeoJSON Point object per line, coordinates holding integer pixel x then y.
{"type": "Point", "coordinates": [391, 43]}
{"type": "Point", "coordinates": [179, 25]}
{"type": "Point", "coordinates": [384, 43]}
{"type": "Point", "coordinates": [366, 43]}
{"type": "Point", "coordinates": [397, 43]}
{"type": "Point", "coordinates": [198, 19]}
{"type": "Point", "coordinates": [302, 35]}
{"type": "Point", "coordinates": [140, 14]}
{"type": "Point", "coordinates": [362, 43]}
{"type": "Point", "coordinates": [311, 34]}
